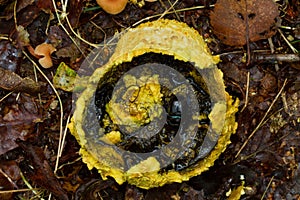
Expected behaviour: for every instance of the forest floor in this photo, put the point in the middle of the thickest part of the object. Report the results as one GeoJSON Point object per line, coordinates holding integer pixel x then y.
{"type": "Point", "coordinates": [264, 153]}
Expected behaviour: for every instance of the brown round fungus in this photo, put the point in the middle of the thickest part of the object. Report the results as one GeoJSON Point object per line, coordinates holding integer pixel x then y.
{"type": "Point", "coordinates": [45, 50]}
{"type": "Point", "coordinates": [112, 6]}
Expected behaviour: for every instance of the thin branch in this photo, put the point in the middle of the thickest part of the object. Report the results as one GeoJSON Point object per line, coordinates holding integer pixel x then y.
{"type": "Point", "coordinates": [59, 100]}
{"type": "Point", "coordinates": [277, 57]}
{"type": "Point", "coordinates": [247, 92]}
{"type": "Point", "coordinates": [167, 13]}
{"type": "Point", "coordinates": [268, 186]}
{"type": "Point", "coordinates": [262, 120]}
{"type": "Point", "coordinates": [286, 40]}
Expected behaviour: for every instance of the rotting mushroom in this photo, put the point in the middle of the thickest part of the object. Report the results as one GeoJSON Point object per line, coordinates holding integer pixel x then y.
{"type": "Point", "coordinates": [45, 50]}
{"type": "Point", "coordinates": [112, 6]}
{"type": "Point", "coordinates": [129, 119]}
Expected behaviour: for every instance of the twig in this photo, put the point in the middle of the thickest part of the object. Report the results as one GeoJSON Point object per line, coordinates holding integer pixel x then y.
{"type": "Point", "coordinates": [60, 150]}
{"type": "Point", "coordinates": [285, 104]}
{"type": "Point", "coordinates": [262, 120]}
{"type": "Point", "coordinates": [278, 57]}
{"type": "Point", "coordinates": [247, 38]}
{"type": "Point", "coordinates": [246, 157]}
{"type": "Point", "coordinates": [168, 10]}
{"type": "Point", "coordinates": [14, 191]}
{"type": "Point", "coordinates": [247, 92]}
{"type": "Point", "coordinates": [290, 45]}
{"type": "Point", "coordinates": [78, 36]}
{"type": "Point", "coordinates": [59, 100]}
{"type": "Point", "coordinates": [268, 186]}
{"type": "Point", "coordinates": [167, 13]}
{"type": "Point", "coordinates": [34, 190]}
{"type": "Point", "coordinates": [5, 96]}
{"type": "Point", "coordinates": [8, 178]}
{"type": "Point", "coordinates": [3, 38]}
{"type": "Point", "coordinates": [172, 6]}
{"type": "Point", "coordinates": [69, 163]}
{"type": "Point", "coordinates": [272, 51]}
{"type": "Point", "coordinates": [63, 27]}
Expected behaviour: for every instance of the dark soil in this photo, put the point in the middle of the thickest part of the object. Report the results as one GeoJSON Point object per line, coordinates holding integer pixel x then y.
{"type": "Point", "coordinates": [269, 123]}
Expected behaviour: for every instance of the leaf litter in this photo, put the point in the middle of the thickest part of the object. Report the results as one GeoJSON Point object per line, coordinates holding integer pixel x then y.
{"type": "Point", "coordinates": [283, 144]}
{"type": "Point", "coordinates": [41, 173]}
{"type": "Point", "coordinates": [236, 21]}
{"type": "Point", "coordinates": [17, 121]}
{"type": "Point", "coordinates": [13, 82]}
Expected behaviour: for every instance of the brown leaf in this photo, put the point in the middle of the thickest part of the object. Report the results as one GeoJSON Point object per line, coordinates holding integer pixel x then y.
{"type": "Point", "coordinates": [13, 82]}
{"type": "Point", "coordinates": [193, 194]}
{"type": "Point", "coordinates": [45, 5]}
{"type": "Point", "coordinates": [3, 2]}
{"type": "Point", "coordinates": [9, 175]}
{"type": "Point", "coordinates": [42, 173]}
{"type": "Point", "coordinates": [9, 13]}
{"type": "Point", "coordinates": [107, 188]}
{"type": "Point", "coordinates": [75, 10]}
{"type": "Point", "coordinates": [5, 185]}
{"type": "Point", "coordinates": [17, 121]}
{"type": "Point", "coordinates": [10, 56]}
{"type": "Point", "coordinates": [235, 21]}
{"type": "Point", "coordinates": [11, 169]}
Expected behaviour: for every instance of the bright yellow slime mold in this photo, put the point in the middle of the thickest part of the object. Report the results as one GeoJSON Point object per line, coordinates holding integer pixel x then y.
{"type": "Point", "coordinates": [183, 43]}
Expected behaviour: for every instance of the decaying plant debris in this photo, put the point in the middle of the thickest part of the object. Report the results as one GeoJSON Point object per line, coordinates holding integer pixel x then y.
{"type": "Point", "coordinates": [33, 124]}
{"type": "Point", "coordinates": [235, 22]}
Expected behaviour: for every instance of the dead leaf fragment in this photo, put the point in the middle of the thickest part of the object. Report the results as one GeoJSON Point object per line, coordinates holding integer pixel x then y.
{"type": "Point", "coordinates": [10, 56]}
{"type": "Point", "coordinates": [23, 36]}
{"type": "Point", "coordinates": [42, 173]}
{"type": "Point", "coordinates": [236, 21]}
{"type": "Point", "coordinates": [13, 82]}
{"type": "Point", "coordinates": [5, 185]}
{"type": "Point", "coordinates": [9, 175]}
{"type": "Point", "coordinates": [46, 5]}
{"type": "Point", "coordinates": [17, 121]}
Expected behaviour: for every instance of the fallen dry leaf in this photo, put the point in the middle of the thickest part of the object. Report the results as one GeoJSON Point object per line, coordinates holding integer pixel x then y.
{"type": "Point", "coordinates": [10, 56]}
{"type": "Point", "coordinates": [9, 175]}
{"type": "Point", "coordinates": [5, 185]}
{"type": "Point", "coordinates": [41, 172]}
{"type": "Point", "coordinates": [75, 11]}
{"type": "Point", "coordinates": [17, 121]}
{"type": "Point", "coordinates": [20, 5]}
{"type": "Point", "coordinates": [13, 82]}
{"type": "Point", "coordinates": [236, 21]}
{"type": "Point", "coordinates": [23, 36]}
{"type": "Point", "coordinates": [46, 5]}
{"type": "Point", "coordinates": [11, 169]}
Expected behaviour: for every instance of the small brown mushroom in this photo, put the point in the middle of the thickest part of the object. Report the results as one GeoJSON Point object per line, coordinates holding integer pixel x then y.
{"type": "Point", "coordinates": [112, 6]}
{"type": "Point", "coordinates": [45, 50]}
